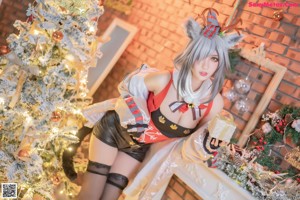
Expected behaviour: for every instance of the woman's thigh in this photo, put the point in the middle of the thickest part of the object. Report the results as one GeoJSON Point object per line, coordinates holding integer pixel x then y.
{"type": "Point", "coordinates": [100, 152]}
{"type": "Point", "coordinates": [125, 165]}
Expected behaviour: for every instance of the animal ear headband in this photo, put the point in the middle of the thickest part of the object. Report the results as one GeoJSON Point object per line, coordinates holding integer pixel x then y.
{"type": "Point", "coordinates": [212, 28]}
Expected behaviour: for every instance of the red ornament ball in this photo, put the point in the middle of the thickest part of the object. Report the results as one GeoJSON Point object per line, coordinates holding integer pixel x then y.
{"type": "Point", "coordinates": [278, 15]}
{"type": "Point", "coordinates": [23, 153]}
{"type": "Point", "coordinates": [4, 50]}
{"type": "Point", "coordinates": [56, 116]}
{"type": "Point", "coordinates": [57, 36]}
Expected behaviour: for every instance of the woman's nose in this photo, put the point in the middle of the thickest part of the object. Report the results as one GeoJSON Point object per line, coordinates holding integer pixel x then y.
{"type": "Point", "coordinates": [205, 64]}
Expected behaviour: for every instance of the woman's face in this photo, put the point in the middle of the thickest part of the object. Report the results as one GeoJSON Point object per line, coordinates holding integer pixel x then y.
{"type": "Point", "coordinates": [204, 69]}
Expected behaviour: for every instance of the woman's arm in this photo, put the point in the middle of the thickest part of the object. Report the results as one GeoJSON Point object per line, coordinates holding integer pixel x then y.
{"type": "Point", "coordinates": [217, 107]}
{"type": "Point", "coordinates": [156, 81]}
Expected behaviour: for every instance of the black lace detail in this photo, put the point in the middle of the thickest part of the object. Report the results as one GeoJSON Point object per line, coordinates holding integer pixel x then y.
{"type": "Point", "coordinates": [98, 168]}
{"type": "Point", "coordinates": [117, 180]}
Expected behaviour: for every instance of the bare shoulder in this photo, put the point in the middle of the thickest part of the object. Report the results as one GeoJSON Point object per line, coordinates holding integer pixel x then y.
{"type": "Point", "coordinates": [217, 107]}
{"type": "Point", "coordinates": [156, 81]}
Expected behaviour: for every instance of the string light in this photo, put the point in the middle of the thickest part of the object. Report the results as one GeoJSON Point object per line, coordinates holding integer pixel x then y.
{"type": "Point", "coordinates": [55, 130]}
{"type": "Point", "coordinates": [92, 29]}
{"type": "Point", "coordinates": [2, 102]}
{"type": "Point", "coordinates": [36, 32]}
{"type": "Point", "coordinates": [70, 149]}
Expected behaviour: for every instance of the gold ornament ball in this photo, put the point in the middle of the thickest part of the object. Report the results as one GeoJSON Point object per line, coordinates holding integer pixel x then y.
{"type": "Point", "coordinates": [23, 153]}
{"type": "Point", "coordinates": [57, 36]}
{"type": "Point", "coordinates": [4, 50]}
{"type": "Point", "coordinates": [278, 15]}
{"type": "Point", "coordinates": [56, 116]}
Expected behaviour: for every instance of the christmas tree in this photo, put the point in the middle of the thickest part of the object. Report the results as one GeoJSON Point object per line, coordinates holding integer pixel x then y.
{"type": "Point", "coordinates": [43, 75]}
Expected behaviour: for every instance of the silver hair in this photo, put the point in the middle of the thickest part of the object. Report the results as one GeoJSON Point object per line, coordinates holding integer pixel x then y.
{"type": "Point", "coordinates": [201, 47]}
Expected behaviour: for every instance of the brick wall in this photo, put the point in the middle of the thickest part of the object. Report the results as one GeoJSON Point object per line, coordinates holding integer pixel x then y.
{"type": "Point", "coordinates": [179, 190]}
{"type": "Point", "coordinates": [10, 11]}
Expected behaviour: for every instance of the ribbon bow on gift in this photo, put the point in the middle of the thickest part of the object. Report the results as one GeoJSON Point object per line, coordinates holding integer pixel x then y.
{"type": "Point", "coordinates": [182, 106]}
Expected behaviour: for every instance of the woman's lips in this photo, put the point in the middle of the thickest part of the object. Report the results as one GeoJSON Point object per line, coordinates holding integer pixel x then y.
{"type": "Point", "coordinates": [203, 73]}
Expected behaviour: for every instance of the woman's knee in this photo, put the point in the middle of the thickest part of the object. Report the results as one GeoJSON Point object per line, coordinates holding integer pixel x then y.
{"type": "Point", "coordinates": [118, 180]}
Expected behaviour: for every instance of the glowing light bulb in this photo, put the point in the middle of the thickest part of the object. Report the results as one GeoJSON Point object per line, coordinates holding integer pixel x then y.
{"type": "Point", "coordinates": [35, 32]}
{"type": "Point", "coordinates": [81, 10]}
{"type": "Point", "coordinates": [77, 111]}
{"type": "Point", "coordinates": [92, 29]}
{"type": "Point", "coordinates": [2, 101]}
{"type": "Point", "coordinates": [55, 130]}
{"type": "Point", "coordinates": [70, 149]}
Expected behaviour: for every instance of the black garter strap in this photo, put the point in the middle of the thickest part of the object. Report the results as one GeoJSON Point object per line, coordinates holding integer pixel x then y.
{"type": "Point", "coordinates": [118, 180]}
{"type": "Point", "coordinates": [98, 168]}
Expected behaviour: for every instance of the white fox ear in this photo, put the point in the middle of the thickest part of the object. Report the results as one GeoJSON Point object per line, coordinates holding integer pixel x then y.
{"type": "Point", "coordinates": [233, 39]}
{"type": "Point", "coordinates": [193, 29]}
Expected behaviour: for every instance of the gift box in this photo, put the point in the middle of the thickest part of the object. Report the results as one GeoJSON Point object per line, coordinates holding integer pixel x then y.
{"type": "Point", "coordinates": [222, 126]}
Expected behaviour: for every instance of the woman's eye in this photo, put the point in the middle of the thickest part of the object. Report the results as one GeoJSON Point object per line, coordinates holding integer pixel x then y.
{"type": "Point", "coordinates": [215, 59]}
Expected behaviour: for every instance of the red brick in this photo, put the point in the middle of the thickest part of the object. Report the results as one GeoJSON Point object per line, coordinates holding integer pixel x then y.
{"type": "Point", "coordinates": [239, 122]}
{"type": "Point", "coordinates": [258, 30]}
{"type": "Point", "coordinates": [158, 48]}
{"type": "Point", "coordinates": [274, 105]}
{"type": "Point", "coordinates": [246, 16]}
{"type": "Point", "coordinates": [258, 87]}
{"type": "Point", "coordinates": [294, 9]}
{"type": "Point", "coordinates": [172, 194]}
{"type": "Point", "coordinates": [189, 196]}
{"type": "Point", "coordinates": [270, 23]}
{"type": "Point", "coordinates": [288, 100]}
{"type": "Point", "coordinates": [286, 88]}
{"type": "Point", "coordinates": [295, 66]}
{"type": "Point", "coordinates": [164, 24]}
{"type": "Point", "coordinates": [151, 53]}
{"type": "Point", "coordinates": [297, 94]}
{"type": "Point", "coordinates": [295, 55]}
{"type": "Point", "coordinates": [151, 61]}
{"type": "Point", "coordinates": [179, 188]}
{"type": "Point", "coordinates": [169, 2]}
{"type": "Point", "coordinates": [187, 7]}
{"type": "Point", "coordinates": [222, 7]}
{"type": "Point", "coordinates": [287, 29]}
{"type": "Point", "coordinates": [206, 4]}
{"type": "Point", "coordinates": [227, 104]}
{"type": "Point", "coordinates": [284, 61]}
{"type": "Point", "coordinates": [273, 36]}
{"type": "Point", "coordinates": [277, 48]}
{"type": "Point", "coordinates": [260, 20]}
{"type": "Point", "coordinates": [288, 41]}
{"type": "Point", "coordinates": [178, 4]}
{"type": "Point", "coordinates": [228, 2]}
{"type": "Point", "coordinates": [152, 19]}
{"type": "Point", "coordinates": [165, 33]}
{"type": "Point", "coordinates": [267, 12]}
{"type": "Point", "coordinates": [298, 21]}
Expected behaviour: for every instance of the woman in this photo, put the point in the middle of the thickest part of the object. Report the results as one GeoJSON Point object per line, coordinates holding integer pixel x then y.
{"type": "Point", "coordinates": [178, 103]}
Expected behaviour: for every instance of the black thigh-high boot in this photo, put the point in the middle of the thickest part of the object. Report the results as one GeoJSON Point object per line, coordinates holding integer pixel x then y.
{"type": "Point", "coordinates": [67, 157]}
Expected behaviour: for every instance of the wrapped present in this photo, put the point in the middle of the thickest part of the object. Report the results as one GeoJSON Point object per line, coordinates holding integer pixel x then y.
{"type": "Point", "coordinates": [222, 126]}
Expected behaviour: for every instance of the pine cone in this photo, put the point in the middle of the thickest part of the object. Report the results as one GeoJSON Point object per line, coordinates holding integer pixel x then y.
{"type": "Point", "coordinates": [288, 118]}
